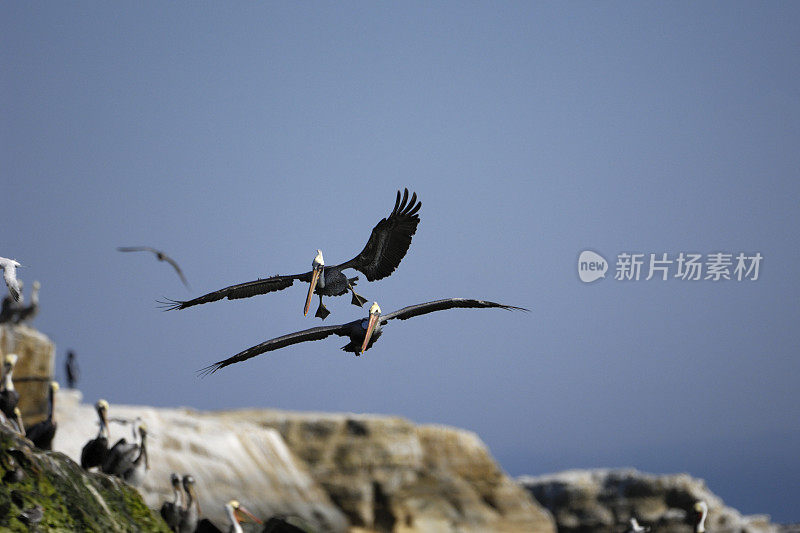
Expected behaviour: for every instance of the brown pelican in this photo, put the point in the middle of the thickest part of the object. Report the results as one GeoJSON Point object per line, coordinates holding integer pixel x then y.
{"type": "Point", "coordinates": [171, 511]}
{"type": "Point", "coordinates": [161, 256]}
{"type": "Point", "coordinates": [95, 451]}
{"type": "Point", "coordinates": [9, 397]}
{"type": "Point", "coordinates": [42, 433]}
{"type": "Point", "coordinates": [26, 313]}
{"type": "Point", "coordinates": [129, 461]}
{"type": "Point", "coordinates": [190, 512]}
{"type": "Point", "coordinates": [386, 247]}
{"type": "Point", "coordinates": [9, 267]}
{"type": "Point", "coordinates": [232, 510]}
{"type": "Point", "coordinates": [701, 512]}
{"type": "Point", "coordinates": [362, 333]}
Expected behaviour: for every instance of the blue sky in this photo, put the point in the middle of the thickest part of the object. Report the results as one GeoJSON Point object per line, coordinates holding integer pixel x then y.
{"type": "Point", "coordinates": [240, 138]}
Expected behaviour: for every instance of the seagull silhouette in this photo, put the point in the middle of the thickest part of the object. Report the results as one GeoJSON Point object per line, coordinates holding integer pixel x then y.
{"type": "Point", "coordinates": [161, 256]}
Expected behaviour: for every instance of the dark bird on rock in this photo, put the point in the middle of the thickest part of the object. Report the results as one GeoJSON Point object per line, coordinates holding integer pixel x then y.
{"type": "Point", "coordinates": [9, 397]}
{"type": "Point", "coordinates": [161, 256]}
{"type": "Point", "coordinates": [236, 513]}
{"type": "Point", "coordinates": [42, 433]}
{"type": "Point", "coordinates": [95, 451]}
{"type": "Point", "coordinates": [171, 511]}
{"type": "Point", "coordinates": [129, 461]}
{"type": "Point", "coordinates": [362, 333]}
{"type": "Point", "coordinates": [386, 247]}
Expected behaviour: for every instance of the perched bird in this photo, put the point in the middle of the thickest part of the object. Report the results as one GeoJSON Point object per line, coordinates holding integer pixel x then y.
{"type": "Point", "coordinates": [95, 451]}
{"type": "Point", "coordinates": [8, 309]}
{"type": "Point", "coordinates": [9, 397]}
{"type": "Point", "coordinates": [171, 511]}
{"type": "Point", "coordinates": [129, 461]}
{"type": "Point", "coordinates": [9, 267]}
{"type": "Point", "coordinates": [190, 513]}
{"type": "Point", "coordinates": [161, 256]}
{"type": "Point", "coordinates": [635, 527]}
{"type": "Point", "coordinates": [386, 247]}
{"type": "Point", "coordinates": [362, 333]}
{"type": "Point", "coordinates": [72, 369]}
{"type": "Point", "coordinates": [27, 313]}
{"type": "Point", "coordinates": [701, 512]}
{"type": "Point", "coordinates": [42, 433]}
{"type": "Point", "coordinates": [232, 510]}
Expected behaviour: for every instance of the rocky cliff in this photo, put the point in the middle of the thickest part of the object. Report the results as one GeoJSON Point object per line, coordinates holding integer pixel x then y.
{"type": "Point", "coordinates": [604, 500]}
{"type": "Point", "coordinates": [338, 472]}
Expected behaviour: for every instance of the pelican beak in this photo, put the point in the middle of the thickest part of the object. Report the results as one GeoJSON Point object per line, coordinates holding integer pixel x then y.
{"type": "Point", "coordinates": [373, 319]}
{"type": "Point", "coordinates": [314, 279]}
{"type": "Point", "coordinates": [247, 514]}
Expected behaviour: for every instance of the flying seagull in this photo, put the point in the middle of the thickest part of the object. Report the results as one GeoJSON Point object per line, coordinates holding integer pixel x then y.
{"type": "Point", "coordinates": [362, 332]}
{"type": "Point", "coordinates": [9, 267]}
{"type": "Point", "coordinates": [386, 247]}
{"type": "Point", "coordinates": [161, 256]}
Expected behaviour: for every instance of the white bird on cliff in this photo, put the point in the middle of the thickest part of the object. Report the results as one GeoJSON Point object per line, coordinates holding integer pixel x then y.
{"type": "Point", "coordinates": [9, 267]}
{"type": "Point", "coordinates": [701, 512]}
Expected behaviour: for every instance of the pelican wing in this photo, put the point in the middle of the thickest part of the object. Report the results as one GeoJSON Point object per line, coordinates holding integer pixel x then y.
{"type": "Point", "coordinates": [313, 334]}
{"type": "Point", "coordinates": [389, 241]}
{"type": "Point", "coordinates": [241, 290]}
{"type": "Point", "coordinates": [138, 249]}
{"type": "Point", "coordinates": [440, 305]}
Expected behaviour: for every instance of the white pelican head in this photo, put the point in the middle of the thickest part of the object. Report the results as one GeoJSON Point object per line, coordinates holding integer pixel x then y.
{"type": "Point", "coordinates": [374, 318]}
{"type": "Point", "coordinates": [701, 508]}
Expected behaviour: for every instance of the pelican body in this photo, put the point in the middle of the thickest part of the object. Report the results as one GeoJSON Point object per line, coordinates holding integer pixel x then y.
{"type": "Point", "coordinates": [9, 397]}
{"type": "Point", "coordinates": [362, 333]}
{"type": "Point", "coordinates": [42, 434]}
{"type": "Point", "coordinates": [387, 245]}
{"type": "Point", "coordinates": [190, 513]}
{"type": "Point", "coordinates": [129, 461]}
{"type": "Point", "coordinates": [171, 511]}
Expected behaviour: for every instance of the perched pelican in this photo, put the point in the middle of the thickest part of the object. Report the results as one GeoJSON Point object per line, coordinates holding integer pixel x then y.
{"type": "Point", "coordinates": [232, 509]}
{"type": "Point", "coordinates": [636, 528]}
{"type": "Point", "coordinates": [9, 267]}
{"type": "Point", "coordinates": [27, 313]}
{"type": "Point", "coordinates": [362, 333]}
{"type": "Point", "coordinates": [9, 397]}
{"type": "Point", "coordinates": [171, 511]}
{"type": "Point", "coordinates": [701, 512]}
{"type": "Point", "coordinates": [129, 460]}
{"type": "Point", "coordinates": [386, 247]}
{"type": "Point", "coordinates": [190, 513]}
{"type": "Point", "coordinates": [42, 433]}
{"type": "Point", "coordinates": [9, 309]}
{"type": "Point", "coordinates": [161, 256]}
{"type": "Point", "coordinates": [95, 451]}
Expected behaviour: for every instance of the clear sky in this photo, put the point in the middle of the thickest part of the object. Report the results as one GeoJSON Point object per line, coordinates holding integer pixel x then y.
{"type": "Point", "coordinates": [241, 137]}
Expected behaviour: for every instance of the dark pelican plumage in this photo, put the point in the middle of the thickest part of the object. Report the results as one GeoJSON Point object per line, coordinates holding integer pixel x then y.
{"type": "Point", "coordinates": [190, 513]}
{"type": "Point", "coordinates": [386, 247]}
{"type": "Point", "coordinates": [95, 451]}
{"type": "Point", "coordinates": [161, 256]}
{"type": "Point", "coordinates": [9, 397]}
{"type": "Point", "coordinates": [9, 267]}
{"type": "Point", "coordinates": [232, 510]}
{"type": "Point", "coordinates": [42, 433]}
{"type": "Point", "coordinates": [129, 461]}
{"type": "Point", "coordinates": [362, 333]}
{"type": "Point", "coordinates": [171, 511]}
{"type": "Point", "coordinates": [26, 313]}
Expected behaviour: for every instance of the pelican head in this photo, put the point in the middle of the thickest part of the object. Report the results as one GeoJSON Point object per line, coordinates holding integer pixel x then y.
{"type": "Point", "coordinates": [236, 508]}
{"type": "Point", "coordinates": [374, 318]}
{"type": "Point", "coordinates": [10, 360]}
{"type": "Point", "coordinates": [101, 405]}
{"type": "Point", "coordinates": [701, 508]}
{"type": "Point", "coordinates": [317, 266]}
{"type": "Point", "coordinates": [54, 386]}
{"type": "Point", "coordinates": [175, 480]}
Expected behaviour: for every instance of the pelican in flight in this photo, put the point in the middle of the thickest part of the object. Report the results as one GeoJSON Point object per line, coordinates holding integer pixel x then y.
{"type": "Point", "coordinates": [9, 267]}
{"type": "Point", "coordinates": [161, 256]}
{"type": "Point", "coordinates": [362, 333]}
{"type": "Point", "coordinates": [386, 247]}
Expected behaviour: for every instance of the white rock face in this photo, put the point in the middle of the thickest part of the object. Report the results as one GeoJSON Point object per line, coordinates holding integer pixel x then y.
{"type": "Point", "coordinates": [229, 459]}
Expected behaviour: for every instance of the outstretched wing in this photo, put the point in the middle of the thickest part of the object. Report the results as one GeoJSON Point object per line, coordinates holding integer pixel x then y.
{"type": "Point", "coordinates": [389, 241]}
{"type": "Point", "coordinates": [137, 249]}
{"type": "Point", "coordinates": [440, 305]}
{"type": "Point", "coordinates": [174, 264]}
{"type": "Point", "coordinates": [313, 334]}
{"type": "Point", "coordinates": [242, 290]}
